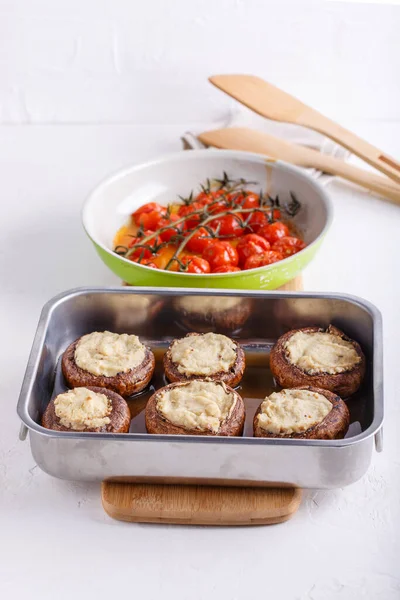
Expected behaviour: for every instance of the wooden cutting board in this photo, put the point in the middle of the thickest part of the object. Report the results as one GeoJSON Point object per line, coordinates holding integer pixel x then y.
{"type": "Point", "coordinates": [201, 505]}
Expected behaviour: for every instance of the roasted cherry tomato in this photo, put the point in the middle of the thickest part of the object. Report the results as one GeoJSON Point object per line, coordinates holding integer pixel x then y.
{"type": "Point", "coordinates": [248, 200]}
{"type": "Point", "coordinates": [217, 207]}
{"type": "Point", "coordinates": [155, 240]}
{"type": "Point", "coordinates": [149, 207]}
{"type": "Point", "coordinates": [275, 214]}
{"type": "Point", "coordinates": [229, 225]}
{"type": "Point", "coordinates": [173, 230]}
{"type": "Point", "coordinates": [255, 221]}
{"type": "Point", "coordinates": [141, 254]}
{"type": "Point", "coordinates": [261, 260]}
{"type": "Point", "coordinates": [209, 197]}
{"type": "Point", "coordinates": [259, 219]}
{"type": "Point", "coordinates": [274, 231]}
{"type": "Point", "coordinates": [220, 253]}
{"type": "Point", "coordinates": [199, 241]}
{"type": "Point", "coordinates": [148, 215]}
{"type": "Point", "coordinates": [149, 220]}
{"type": "Point", "coordinates": [251, 244]}
{"type": "Point", "coordinates": [145, 253]}
{"type": "Point", "coordinates": [288, 245]}
{"type": "Point", "coordinates": [188, 209]}
{"type": "Point", "coordinates": [142, 251]}
{"type": "Point", "coordinates": [145, 250]}
{"type": "Point", "coordinates": [195, 264]}
{"type": "Point", "coordinates": [227, 269]}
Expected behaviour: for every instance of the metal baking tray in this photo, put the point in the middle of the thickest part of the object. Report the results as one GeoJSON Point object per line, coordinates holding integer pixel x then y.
{"type": "Point", "coordinates": [256, 320]}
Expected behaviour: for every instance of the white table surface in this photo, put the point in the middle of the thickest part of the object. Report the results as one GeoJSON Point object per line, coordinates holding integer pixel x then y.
{"type": "Point", "coordinates": [55, 539]}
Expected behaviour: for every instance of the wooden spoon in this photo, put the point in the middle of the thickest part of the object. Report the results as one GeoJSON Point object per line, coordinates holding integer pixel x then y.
{"type": "Point", "coordinates": [272, 103]}
{"type": "Point", "coordinates": [249, 140]}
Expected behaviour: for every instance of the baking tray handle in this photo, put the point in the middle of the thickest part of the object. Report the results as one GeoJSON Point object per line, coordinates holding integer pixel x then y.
{"type": "Point", "coordinates": [379, 440]}
{"type": "Point", "coordinates": [23, 432]}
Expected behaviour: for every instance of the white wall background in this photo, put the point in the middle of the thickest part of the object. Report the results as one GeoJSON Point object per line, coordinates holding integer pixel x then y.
{"type": "Point", "coordinates": [130, 61]}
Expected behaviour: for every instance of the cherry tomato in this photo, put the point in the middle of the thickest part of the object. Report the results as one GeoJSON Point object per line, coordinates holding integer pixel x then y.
{"type": "Point", "coordinates": [227, 225]}
{"type": "Point", "coordinates": [227, 269]}
{"type": "Point", "coordinates": [140, 252]}
{"type": "Point", "coordinates": [249, 200]}
{"type": "Point", "coordinates": [261, 260]}
{"type": "Point", "coordinates": [207, 197]}
{"type": "Point", "coordinates": [188, 209]}
{"type": "Point", "coordinates": [274, 231]}
{"type": "Point", "coordinates": [259, 219]}
{"type": "Point", "coordinates": [215, 208]}
{"type": "Point", "coordinates": [220, 253]}
{"type": "Point", "coordinates": [275, 214]}
{"type": "Point", "coordinates": [134, 240]}
{"type": "Point", "coordinates": [195, 264]}
{"type": "Point", "coordinates": [155, 240]}
{"type": "Point", "coordinates": [199, 241]}
{"type": "Point", "coordinates": [149, 220]}
{"type": "Point", "coordinates": [148, 262]}
{"type": "Point", "coordinates": [172, 231]}
{"type": "Point", "coordinates": [288, 246]}
{"type": "Point", "coordinates": [255, 221]}
{"type": "Point", "coordinates": [149, 207]}
{"type": "Point", "coordinates": [144, 252]}
{"type": "Point", "coordinates": [251, 244]}
{"type": "Point", "coordinates": [148, 215]}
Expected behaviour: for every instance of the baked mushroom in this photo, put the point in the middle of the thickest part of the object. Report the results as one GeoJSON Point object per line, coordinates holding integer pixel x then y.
{"type": "Point", "coordinates": [302, 413]}
{"type": "Point", "coordinates": [205, 356]}
{"type": "Point", "coordinates": [324, 358]}
{"type": "Point", "coordinates": [197, 407]}
{"type": "Point", "coordinates": [212, 313]}
{"type": "Point", "coordinates": [134, 311]}
{"type": "Point", "coordinates": [118, 362]}
{"type": "Point", "coordinates": [93, 409]}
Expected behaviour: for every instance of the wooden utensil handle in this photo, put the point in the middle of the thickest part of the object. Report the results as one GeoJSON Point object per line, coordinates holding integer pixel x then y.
{"type": "Point", "coordinates": [373, 156]}
{"type": "Point", "coordinates": [248, 140]}
{"type": "Point", "coordinates": [273, 103]}
{"type": "Point", "coordinates": [380, 185]}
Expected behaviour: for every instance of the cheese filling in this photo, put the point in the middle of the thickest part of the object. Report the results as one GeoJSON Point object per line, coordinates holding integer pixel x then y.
{"type": "Point", "coordinates": [203, 354]}
{"type": "Point", "coordinates": [292, 411]}
{"type": "Point", "coordinates": [202, 405]}
{"type": "Point", "coordinates": [106, 353]}
{"type": "Point", "coordinates": [81, 409]}
{"type": "Point", "coordinates": [321, 352]}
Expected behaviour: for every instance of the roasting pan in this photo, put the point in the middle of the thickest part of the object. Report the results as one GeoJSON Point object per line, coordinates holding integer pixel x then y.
{"type": "Point", "coordinates": [158, 315]}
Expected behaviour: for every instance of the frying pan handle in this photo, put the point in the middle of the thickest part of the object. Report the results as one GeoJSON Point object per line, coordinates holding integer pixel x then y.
{"type": "Point", "coordinates": [379, 440]}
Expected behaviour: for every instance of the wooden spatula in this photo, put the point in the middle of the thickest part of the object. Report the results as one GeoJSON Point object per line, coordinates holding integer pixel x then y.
{"type": "Point", "coordinates": [249, 140]}
{"type": "Point", "coordinates": [272, 103]}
